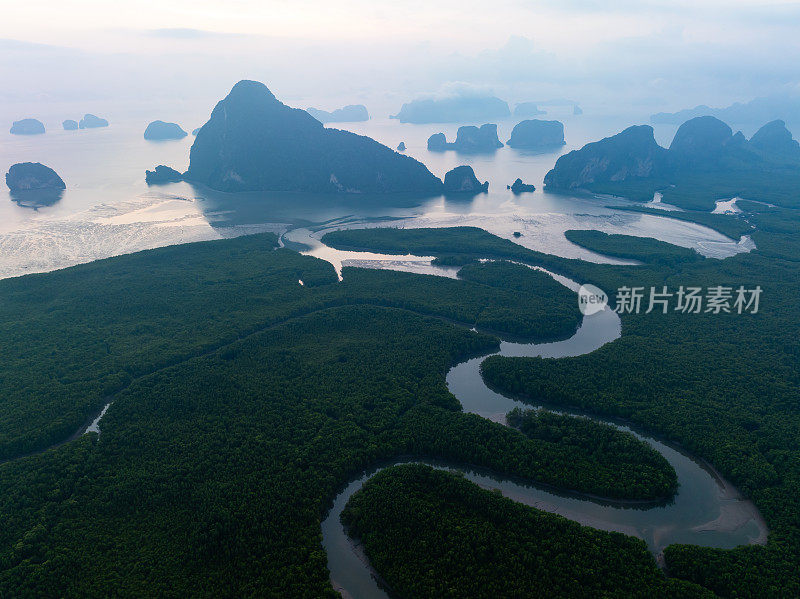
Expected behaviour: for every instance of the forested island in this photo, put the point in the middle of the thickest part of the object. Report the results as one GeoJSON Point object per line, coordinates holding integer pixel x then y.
{"type": "Point", "coordinates": [255, 142]}
{"type": "Point", "coordinates": [537, 135]}
{"type": "Point", "coordinates": [462, 179]}
{"type": "Point", "coordinates": [705, 162]}
{"type": "Point", "coordinates": [632, 248]}
{"type": "Point", "coordinates": [33, 177]}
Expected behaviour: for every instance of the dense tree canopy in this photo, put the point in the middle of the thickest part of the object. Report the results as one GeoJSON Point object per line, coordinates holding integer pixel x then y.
{"type": "Point", "coordinates": [72, 337]}
{"type": "Point", "coordinates": [242, 401]}
{"type": "Point", "coordinates": [647, 250]}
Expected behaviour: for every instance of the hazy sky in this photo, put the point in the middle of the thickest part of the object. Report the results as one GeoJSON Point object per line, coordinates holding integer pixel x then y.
{"type": "Point", "coordinates": [626, 53]}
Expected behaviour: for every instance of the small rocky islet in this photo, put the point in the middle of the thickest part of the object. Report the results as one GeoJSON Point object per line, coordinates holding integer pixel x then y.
{"type": "Point", "coordinates": [162, 174]}
{"type": "Point", "coordinates": [519, 187]}
{"type": "Point", "coordinates": [462, 179]}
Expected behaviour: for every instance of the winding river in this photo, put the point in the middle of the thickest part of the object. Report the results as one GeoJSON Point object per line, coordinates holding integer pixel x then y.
{"type": "Point", "coordinates": [707, 510]}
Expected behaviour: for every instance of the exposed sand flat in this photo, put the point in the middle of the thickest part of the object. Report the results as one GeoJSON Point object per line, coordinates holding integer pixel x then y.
{"type": "Point", "coordinates": [106, 230]}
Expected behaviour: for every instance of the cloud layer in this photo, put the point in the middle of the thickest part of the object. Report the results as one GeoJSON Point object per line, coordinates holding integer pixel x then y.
{"type": "Point", "coordinates": [625, 55]}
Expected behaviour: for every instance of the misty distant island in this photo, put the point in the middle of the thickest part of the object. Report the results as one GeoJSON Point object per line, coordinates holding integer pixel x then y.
{"type": "Point", "coordinates": [462, 179]}
{"type": "Point", "coordinates": [453, 110]}
{"type": "Point", "coordinates": [535, 134]}
{"type": "Point", "coordinates": [469, 140]}
{"type": "Point", "coordinates": [758, 110]}
{"type": "Point", "coordinates": [27, 127]}
{"type": "Point", "coordinates": [353, 113]}
{"type": "Point", "coordinates": [161, 131]}
{"type": "Point", "coordinates": [254, 142]}
{"type": "Point", "coordinates": [90, 121]}
{"type": "Point", "coordinates": [705, 160]}
{"type": "Point", "coordinates": [527, 110]}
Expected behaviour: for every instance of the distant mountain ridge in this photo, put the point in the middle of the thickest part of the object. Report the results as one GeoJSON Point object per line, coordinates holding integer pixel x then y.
{"type": "Point", "coordinates": [528, 109]}
{"type": "Point", "coordinates": [353, 113]}
{"type": "Point", "coordinates": [459, 109]}
{"type": "Point", "coordinates": [758, 110]}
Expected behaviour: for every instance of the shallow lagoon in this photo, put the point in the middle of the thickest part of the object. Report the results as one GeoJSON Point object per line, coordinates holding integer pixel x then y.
{"type": "Point", "coordinates": [107, 209]}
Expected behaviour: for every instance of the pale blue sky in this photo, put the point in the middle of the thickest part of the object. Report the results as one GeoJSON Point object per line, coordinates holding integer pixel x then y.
{"type": "Point", "coordinates": [558, 23]}
{"type": "Point", "coordinates": [651, 53]}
